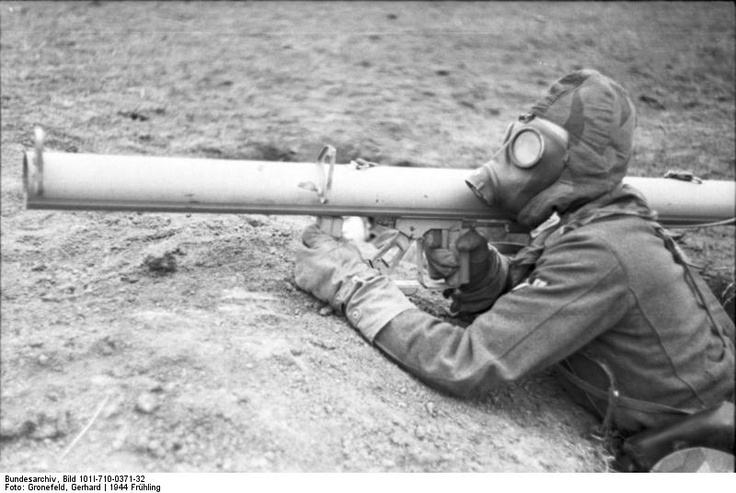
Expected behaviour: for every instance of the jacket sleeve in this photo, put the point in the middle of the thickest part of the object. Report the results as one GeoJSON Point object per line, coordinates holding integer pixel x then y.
{"type": "Point", "coordinates": [577, 291]}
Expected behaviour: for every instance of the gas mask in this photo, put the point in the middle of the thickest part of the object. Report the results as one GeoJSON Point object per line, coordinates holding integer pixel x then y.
{"type": "Point", "coordinates": [532, 157]}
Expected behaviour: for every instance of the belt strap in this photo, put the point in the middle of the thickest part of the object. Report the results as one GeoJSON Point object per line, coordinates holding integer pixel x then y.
{"type": "Point", "coordinates": [621, 400]}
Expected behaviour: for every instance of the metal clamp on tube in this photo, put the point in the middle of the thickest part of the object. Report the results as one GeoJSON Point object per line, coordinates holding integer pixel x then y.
{"type": "Point", "coordinates": [331, 225]}
{"type": "Point", "coordinates": [33, 171]}
{"type": "Point", "coordinates": [325, 186]}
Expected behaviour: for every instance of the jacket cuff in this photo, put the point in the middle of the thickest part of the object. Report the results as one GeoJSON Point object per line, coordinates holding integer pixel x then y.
{"type": "Point", "coordinates": [499, 282]}
{"type": "Point", "coordinates": [370, 303]}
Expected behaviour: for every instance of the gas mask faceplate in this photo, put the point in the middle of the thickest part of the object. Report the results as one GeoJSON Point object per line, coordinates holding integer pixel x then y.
{"type": "Point", "coordinates": [532, 157]}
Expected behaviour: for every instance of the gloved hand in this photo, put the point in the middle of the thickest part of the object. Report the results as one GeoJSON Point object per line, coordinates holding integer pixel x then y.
{"type": "Point", "coordinates": [334, 271]}
{"type": "Point", "coordinates": [324, 265]}
{"type": "Point", "coordinates": [488, 273]}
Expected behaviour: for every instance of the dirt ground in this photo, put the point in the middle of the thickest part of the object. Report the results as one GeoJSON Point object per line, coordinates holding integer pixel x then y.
{"type": "Point", "coordinates": [208, 359]}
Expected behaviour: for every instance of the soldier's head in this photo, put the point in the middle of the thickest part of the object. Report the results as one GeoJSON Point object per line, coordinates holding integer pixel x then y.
{"type": "Point", "coordinates": [571, 147]}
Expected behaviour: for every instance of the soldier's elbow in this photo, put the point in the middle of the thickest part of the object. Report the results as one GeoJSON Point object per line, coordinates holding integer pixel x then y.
{"type": "Point", "coordinates": [473, 387]}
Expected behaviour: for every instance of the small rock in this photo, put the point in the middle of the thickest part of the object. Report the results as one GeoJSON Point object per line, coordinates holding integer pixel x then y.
{"type": "Point", "coordinates": [323, 344]}
{"type": "Point", "coordinates": [254, 222]}
{"type": "Point", "coordinates": [431, 409]}
{"type": "Point", "coordinates": [161, 258]}
{"type": "Point", "coordinates": [651, 101]}
{"type": "Point", "coordinates": [151, 384]}
{"type": "Point", "coordinates": [13, 429]}
{"type": "Point", "coordinates": [119, 440]}
{"type": "Point", "coordinates": [420, 433]}
{"type": "Point", "coordinates": [399, 438]}
{"type": "Point", "coordinates": [113, 407]}
{"type": "Point", "coordinates": [147, 403]}
{"type": "Point", "coordinates": [180, 450]}
{"type": "Point", "coordinates": [67, 288]}
{"type": "Point", "coordinates": [155, 448]}
{"type": "Point", "coordinates": [165, 263]}
{"type": "Point", "coordinates": [325, 311]}
{"type": "Point", "coordinates": [297, 351]}
{"type": "Point", "coordinates": [447, 457]}
{"type": "Point", "coordinates": [47, 427]}
{"type": "Point", "coordinates": [43, 360]}
{"type": "Point", "coordinates": [242, 396]}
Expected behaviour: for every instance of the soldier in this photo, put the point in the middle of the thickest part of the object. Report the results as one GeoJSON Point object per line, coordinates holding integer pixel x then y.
{"type": "Point", "coordinates": [601, 291]}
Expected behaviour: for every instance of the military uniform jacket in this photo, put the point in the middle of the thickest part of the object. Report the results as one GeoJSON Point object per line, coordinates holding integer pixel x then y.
{"type": "Point", "coordinates": [605, 298]}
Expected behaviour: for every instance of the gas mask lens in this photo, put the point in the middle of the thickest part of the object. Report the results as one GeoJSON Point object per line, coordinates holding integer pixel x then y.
{"type": "Point", "coordinates": [526, 148]}
{"type": "Point", "coordinates": [532, 140]}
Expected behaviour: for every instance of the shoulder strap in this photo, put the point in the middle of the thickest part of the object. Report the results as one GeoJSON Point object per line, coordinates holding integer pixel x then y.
{"type": "Point", "coordinates": [616, 399]}
{"type": "Point", "coordinates": [720, 322]}
{"type": "Point", "coordinates": [526, 259]}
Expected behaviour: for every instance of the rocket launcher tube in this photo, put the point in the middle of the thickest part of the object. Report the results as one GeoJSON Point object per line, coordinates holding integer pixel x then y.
{"type": "Point", "coordinates": [413, 201]}
{"type": "Point", "coordinates": [72, 181]}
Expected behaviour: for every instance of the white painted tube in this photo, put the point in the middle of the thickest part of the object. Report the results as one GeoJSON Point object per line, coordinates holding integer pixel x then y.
{"type": "Point", "coordinates": [70, 181]}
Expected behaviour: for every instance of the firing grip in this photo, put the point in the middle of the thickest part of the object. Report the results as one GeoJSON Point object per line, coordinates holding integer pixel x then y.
{"type": "Point", "coordinates": [464, 260]}
{"type": "Point", "coordinates": [443, 238]}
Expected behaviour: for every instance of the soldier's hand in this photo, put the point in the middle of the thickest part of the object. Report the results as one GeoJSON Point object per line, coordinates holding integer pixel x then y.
{"type": "Point", "coordinates": [324, 264]}
{"type": "Point", "coordinates": [444, 263]}
{"type": "Point", "coordinates": [485, 267]}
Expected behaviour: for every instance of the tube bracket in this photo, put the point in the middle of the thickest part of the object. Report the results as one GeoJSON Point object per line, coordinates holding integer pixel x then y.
{"type": "Point", "coordinates": [38, 141]}
{"type": "Point", "coordinates": [323, 190]}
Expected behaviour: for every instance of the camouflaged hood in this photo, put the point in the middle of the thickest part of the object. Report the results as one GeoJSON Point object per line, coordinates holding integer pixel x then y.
{"type": "Point", "coordinates": [600, 118]}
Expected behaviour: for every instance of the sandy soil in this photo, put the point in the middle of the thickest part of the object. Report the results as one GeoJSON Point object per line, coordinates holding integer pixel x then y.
{"type": "Point", "coordinates": [183, 335]}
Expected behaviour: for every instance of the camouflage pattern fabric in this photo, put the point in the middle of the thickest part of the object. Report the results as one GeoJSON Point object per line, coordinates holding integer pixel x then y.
{"type": "Point", "coordinates": [600, 118]}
